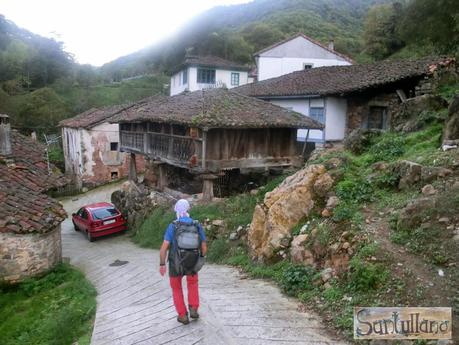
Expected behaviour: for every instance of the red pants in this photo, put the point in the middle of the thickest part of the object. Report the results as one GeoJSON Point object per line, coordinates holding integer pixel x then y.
{"type": "Point", "coordinates": [177, 293]}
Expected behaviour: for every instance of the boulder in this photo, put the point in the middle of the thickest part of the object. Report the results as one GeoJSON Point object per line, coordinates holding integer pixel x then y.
{"type": "Point", "coordinates": [409, 172]}
{"type": "Point", "coordinates": [428, 189]}
{"type": "Point", "coordinates": [326, 274]}
{"type": "Point", "coordinates": [218, 222]}
{"type": "Point", "coordinates": [358, 140]}
{"type": "Point", "coordinates": [233, 236]}
{"type": "Point", "coordinates": [429, 174]}
{"type": "Point", "coordinates": [412, 215]}
{"type": "Point", "coordinates": [451, 130]}
{"type": "Point", "coordinates": [323, 185]}
{"type": "Point", "coordinates": [282, 209]}
{"type": "Point", "coordinates": [298, 253]}
{"type": "Point", "coordinates": [332, 202]}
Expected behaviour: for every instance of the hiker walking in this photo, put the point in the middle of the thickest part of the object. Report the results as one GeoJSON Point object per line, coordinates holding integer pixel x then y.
{"type": "Point", "coordinates": [186, 242]}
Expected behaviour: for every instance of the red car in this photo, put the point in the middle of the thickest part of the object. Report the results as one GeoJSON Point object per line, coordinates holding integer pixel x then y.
{"type": "Point", "coordinates": [98, 219]}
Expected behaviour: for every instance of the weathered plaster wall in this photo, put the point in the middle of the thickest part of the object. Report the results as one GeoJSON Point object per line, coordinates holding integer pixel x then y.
{"type": "Point", "coordinates": [222, 77]}
{"type": "Point", "coordinates": [71, 138]}
{"type": "Point", "coordinates": [89, 157]}
{"type": "Point", "coordinates": [27, 255]}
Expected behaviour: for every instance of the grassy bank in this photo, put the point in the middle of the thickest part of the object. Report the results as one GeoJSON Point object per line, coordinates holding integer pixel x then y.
{"type": "Point", "coordinates": [56, 309]}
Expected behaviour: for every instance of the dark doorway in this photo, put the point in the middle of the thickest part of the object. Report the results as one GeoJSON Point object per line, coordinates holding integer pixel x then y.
{"type": "Point", "coordinates": [377, 117]}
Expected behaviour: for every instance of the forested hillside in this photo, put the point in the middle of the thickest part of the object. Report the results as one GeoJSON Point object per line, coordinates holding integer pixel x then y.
{"type": "Point", "coordinates": [366, 30]}
{"type": "Point", "coordinates": [41, 84]}
{"type": "Point", "coordinates": [236, 32]}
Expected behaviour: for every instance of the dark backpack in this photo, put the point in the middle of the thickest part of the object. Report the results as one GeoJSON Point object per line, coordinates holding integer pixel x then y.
{"type": "Point", "coordinates": [186, 249]}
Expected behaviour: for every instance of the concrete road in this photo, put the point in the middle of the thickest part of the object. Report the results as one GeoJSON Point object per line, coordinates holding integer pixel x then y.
{"type": "Point", "coordinates": [134, 303]}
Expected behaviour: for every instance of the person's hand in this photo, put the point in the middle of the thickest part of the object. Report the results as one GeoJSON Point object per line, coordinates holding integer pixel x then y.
{"type": "Point", "coordinates": [162, 270]}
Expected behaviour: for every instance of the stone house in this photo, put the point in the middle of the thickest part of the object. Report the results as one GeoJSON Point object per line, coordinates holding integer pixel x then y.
{"type": "Point", "coordinates": [347, 97]}
{"type": "Point", "coordinates": [30, 234]}
{"type": "Point", "coordinates": [296, 53]}
{"type": "Point", "coordinates": [203, 72]}
{"type": "Point", "coordinates": [91, 148]}
{"type": "Point", "coordinates": [211, 133]}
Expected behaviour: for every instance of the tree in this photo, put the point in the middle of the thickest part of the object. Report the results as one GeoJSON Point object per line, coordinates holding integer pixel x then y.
{"type": "Point", "coordinates": [432, 22]}
{"type": "Point", "coordinates": [380, 31]}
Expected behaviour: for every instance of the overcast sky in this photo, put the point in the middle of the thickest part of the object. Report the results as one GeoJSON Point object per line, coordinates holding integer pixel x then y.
{"type": "Point", "coordinates": [98, 31]}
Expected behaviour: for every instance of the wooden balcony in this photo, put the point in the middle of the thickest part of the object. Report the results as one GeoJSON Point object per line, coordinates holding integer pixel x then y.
{"type": "Point", "coordinates": [181, 151]}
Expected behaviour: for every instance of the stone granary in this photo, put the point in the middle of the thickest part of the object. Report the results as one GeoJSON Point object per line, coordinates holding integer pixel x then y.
{"type": "Point", "coordinates": [209, 133]}
{"type": "Point", "coordinates": [345, 98]}
{"type": "Point", "coordinates": [91, 148]}
{"type": "Point", "coordinates": [30, 235]}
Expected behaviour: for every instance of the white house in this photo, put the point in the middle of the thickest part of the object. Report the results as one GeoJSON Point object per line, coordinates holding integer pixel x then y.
{"type": "Point", "coordinates": [203, 72]}
{"type": "Point", "coordinates": [91, 148]}
{"type": "Point", "coordinates": [294, 54]}
{"type": "Point", "coordinates": [346, 97]}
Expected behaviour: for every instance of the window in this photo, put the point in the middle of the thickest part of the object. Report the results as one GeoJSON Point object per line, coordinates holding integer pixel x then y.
{"type": "Point", "coordinates": [185, 77]}
{"type": "Point", "coordinates": [206, 76]}
{"type": "Point", "coordinates": [377, 118]}
{"type": "Point", "coordinates": [113, 146]}
{"type": "Point", "coordinates": [80, 212]}
{"type": "Point", "coordinates": [84, 215]}
{"type": "Point", "coordinates": [102, 213]}
{"type": "Point", "coordinates": [235, 79]}
{"type": "Point", "coordinates": [307, 65]}
{"type": "Point", "coordinates": [317, 114]}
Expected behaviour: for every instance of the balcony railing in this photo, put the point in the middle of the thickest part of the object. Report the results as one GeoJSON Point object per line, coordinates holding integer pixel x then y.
{"type": "Point", "coordinates": [173, 148]}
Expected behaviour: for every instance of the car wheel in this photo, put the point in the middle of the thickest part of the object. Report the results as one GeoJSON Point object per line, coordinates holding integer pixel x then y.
{"type": "Point", "coordinates": [74, 226]}
{"type": "Point", "coordinates": [91, 238]}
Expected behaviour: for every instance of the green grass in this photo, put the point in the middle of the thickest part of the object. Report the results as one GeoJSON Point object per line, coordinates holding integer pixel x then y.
{"type": "Point", "coordinates": [234, 211]}
{"type": "Point", "coordinates": [151, 232]}
{"type": "Point", "coordinates": [55, 309]}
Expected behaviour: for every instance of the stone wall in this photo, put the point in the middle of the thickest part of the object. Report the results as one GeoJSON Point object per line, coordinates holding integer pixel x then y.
{"type": "Point", "coordinates": [137, 201]}
{"type": "Point", "coordinates": [27, 255]}
{"type": "Point", "coordinates": [358, 108]}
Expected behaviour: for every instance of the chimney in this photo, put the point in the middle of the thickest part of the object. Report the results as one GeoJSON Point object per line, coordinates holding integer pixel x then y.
{"type": "Point", "coordinates": [331, 45]}
{"type": "Point", "coordinates": [5, 135]}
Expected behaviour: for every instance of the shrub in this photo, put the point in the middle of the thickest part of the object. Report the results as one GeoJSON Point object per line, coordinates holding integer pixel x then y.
{"type": "Point", "coordinates": [388, 147]}
{"type": "Point", "coordinates": [355, 191]}
{"type": "Point", "coordinates": [387, 179]}
{"type": "Point", "coordinates": [365, 276]}
{"type": "Point", "coordinates": [151, 233]}
{"type": "Point", "coordinates": [218, 250]}
{"type": "Point", "coordinates": [295, 278]}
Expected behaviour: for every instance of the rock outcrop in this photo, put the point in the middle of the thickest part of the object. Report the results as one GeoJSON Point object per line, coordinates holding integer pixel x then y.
{"type": "Point", "coordinates": [414, 112]}
{"type": "Point", "coordinates": [283, 208]}
{"type": "Point", "coordinates": [412, 173]}
{"type": "Point", "coordinates": [136, 201]}
{"type": "Point", "coordinates": [359, 139]}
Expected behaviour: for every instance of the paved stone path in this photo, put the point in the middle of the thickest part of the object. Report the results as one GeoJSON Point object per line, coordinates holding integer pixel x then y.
{"type": "Point", "coordinates": [134, 304]}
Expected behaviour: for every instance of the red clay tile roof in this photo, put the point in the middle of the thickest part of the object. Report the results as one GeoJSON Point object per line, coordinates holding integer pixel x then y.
{"type": "Point", "coordinates": [24, 178]}
{"type": "Point", "coordinates": [341, 80]}
{"type": "Point", "coordinates": [215, 108]}
{"type": "Point", "coordinates": [345, 57]}
{"type": "Point", "coordinates": [210, 61]}
{"type": "Point", "coordinates": [91, 117]}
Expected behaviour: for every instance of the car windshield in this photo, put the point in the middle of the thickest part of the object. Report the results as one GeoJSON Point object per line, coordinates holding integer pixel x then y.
{"type": "Point", "coordinates": [102, 213]}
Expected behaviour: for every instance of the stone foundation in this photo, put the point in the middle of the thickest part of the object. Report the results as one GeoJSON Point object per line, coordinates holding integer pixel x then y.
{"type": "Point", "coordinates": [27, 255]}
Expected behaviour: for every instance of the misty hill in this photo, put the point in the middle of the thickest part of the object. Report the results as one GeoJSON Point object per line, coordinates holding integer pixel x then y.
{"type": "Point", "coordinates": [236, 32]}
